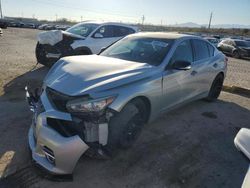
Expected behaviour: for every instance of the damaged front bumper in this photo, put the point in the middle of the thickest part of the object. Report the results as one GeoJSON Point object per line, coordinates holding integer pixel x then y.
{"type": "Point", "coordinates": [53, 151]}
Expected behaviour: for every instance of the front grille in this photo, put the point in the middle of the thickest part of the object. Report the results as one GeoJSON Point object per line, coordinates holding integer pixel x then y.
{"type": "Point", "coordinates": [58, 100]}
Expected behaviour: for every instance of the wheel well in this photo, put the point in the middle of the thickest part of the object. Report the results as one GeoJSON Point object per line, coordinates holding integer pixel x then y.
{"type": "Point", "coordinates": [221, 73]}
{"type": "Point", "coordinates": [83, 49]}
{"type": "Point", "coordinates": [146, 102]}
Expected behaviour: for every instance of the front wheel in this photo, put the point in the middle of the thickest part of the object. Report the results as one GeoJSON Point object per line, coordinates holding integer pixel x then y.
{"type": "Point", "coordinates": [41, 56]}
{"type": "Point", "coordinates": [236, 54]}
{"type": "Point", "coordinates": [125, 127]}
{"type": "Point", "coordinates": [216, 88]}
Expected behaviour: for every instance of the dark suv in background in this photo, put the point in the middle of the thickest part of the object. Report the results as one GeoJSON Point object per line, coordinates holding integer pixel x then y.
{"type": "Point", "coordinates": [235, 47]}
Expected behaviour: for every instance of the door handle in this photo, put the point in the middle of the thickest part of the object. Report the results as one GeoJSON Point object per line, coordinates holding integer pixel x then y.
{"type": "Point", "coordinates": [193, 73]}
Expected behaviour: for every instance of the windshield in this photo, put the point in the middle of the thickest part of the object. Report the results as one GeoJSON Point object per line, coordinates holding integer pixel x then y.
{"type": "Point", "coordinates": [242, 43]}
{"type": "Point", "coordinates": [82, 29]}
{"type": "Point", "coordinates": [143, 50]}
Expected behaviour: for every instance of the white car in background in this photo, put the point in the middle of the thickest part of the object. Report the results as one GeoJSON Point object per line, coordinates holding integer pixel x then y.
{"type": "Point", "coordinates": [213, 40]}
{"type": "Point", "coordinates": [242, 143]}
{"type": "Point", "coordinates": [81, 39]}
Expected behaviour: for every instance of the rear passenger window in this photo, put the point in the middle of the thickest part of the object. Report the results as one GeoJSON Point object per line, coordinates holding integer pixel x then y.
{"type": "Point", "coordinates": [107, 31]}
{"type": "Point", "coordinates": [183, 52]}
{"type": "Point", "coordinates": [211, 50]}
{"type": "Point", "coordinates": [120, 31]}
{"type": "Point", "coordinates": [201, 50]}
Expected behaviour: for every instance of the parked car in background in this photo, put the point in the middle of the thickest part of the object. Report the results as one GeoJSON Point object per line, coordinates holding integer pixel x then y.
{"type": "Point", "coordinates": [235, 47]}
{"type": "Point", "coordinates": [100, 102]}
{"type": "Point", "coordinates": [3, 24]}
{"type": "Point", "coordinates": [30, 25]}
{"type": "Point", "coordinates": [213, 40]}
{"type": "Point", "coordinates": [62, 27]}
{"type": "Point", "coordinates": [49, 27]}
{"type": "Point", "coordinates": [42, 27]}
{"type": "Point", "coordinates": [81, 39]}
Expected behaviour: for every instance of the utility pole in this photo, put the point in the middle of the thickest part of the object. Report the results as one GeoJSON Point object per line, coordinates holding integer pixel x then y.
{"type": "Point", "coordinates": [143, 19]}
{"type": "Point", "coordinates": [210, 20]}
{"type": "Point", "coordinates": [56, 17]}
{"type": "Point", "coordinates": [1, 13]}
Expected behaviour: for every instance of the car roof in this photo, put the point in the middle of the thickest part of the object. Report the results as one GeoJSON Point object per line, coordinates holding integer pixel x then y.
{"type": "Point", "coordinates": [163, 35]}
{"type": "Point", "coordinates": [108, 23]}
{"type": "Point", "coordinates": [238, 40]}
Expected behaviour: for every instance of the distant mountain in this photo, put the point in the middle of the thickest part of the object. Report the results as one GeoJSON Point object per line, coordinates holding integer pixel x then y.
{"type": "Point", "coordinates": [195, 25]}
{"type": "Point", "coordinates": [188, 24]}
{"type": "Point", "coordinates": [227, 26]}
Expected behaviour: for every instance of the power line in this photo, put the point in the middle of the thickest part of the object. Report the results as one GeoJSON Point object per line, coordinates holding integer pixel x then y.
{"type": "Point", "coordinates": [80, 9]}
{"type": "Point", "coordinates": [142, 19]}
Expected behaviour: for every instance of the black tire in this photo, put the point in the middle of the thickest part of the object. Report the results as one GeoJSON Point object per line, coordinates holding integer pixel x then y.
{"type": "Point", "coordinates": [236, 54]}
{"type": "Point", "coordinates": [125, 127]}
{"type": "Point", "coordinates": [216, 88]}
{"type": "Point", "coordinates": [41, 56]}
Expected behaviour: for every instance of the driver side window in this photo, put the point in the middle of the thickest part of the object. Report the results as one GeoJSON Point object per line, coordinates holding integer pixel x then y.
{"type": "Point", "coordinates": [183, 52]}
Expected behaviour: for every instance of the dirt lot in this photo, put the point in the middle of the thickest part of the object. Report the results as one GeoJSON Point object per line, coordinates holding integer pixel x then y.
{"type": "Point", "coordinates": [189, 147]}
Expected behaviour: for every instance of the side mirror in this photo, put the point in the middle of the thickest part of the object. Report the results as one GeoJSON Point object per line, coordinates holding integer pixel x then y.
{"type": "Point", "coordinates": [181, 65]}
{"type": "Point", "coordinates": [98, 35]}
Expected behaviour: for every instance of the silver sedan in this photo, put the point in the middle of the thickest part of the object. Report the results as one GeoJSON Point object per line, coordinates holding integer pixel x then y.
{"type": "Point", "coordinates": [98, 104]}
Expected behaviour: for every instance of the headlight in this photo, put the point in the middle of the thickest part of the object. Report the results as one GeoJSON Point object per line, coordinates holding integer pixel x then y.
{"type": "Point", "coordinates": [97, 105]}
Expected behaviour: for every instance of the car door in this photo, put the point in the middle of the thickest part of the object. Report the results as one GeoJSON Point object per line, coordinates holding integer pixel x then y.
{"type": "Point", "coordinates": [177, 83]}
{"type": "Point", "coordinates": [103, 37]}
{"type": "Point", "coordinates": [202, 66]}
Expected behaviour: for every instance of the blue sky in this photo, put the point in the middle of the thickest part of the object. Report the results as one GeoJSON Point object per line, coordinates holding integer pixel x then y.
{"type": "Point", "coordinates": [155, 11]}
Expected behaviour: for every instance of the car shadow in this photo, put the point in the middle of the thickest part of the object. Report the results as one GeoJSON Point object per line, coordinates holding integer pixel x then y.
{"type": "Point", "coordinates": [15, 121]}
{"type": "Point", "coordinates": [14, 90]}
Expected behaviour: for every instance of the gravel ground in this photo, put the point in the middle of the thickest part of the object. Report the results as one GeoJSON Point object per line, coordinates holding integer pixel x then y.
{"type": "Point", "coordinates": [238, 73]}
{"type": "Point", "coordinates": [189, 147]}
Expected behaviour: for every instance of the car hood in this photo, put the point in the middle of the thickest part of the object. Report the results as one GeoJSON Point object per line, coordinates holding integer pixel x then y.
{"type": "Point", "coordinates": [55, 36]}
{"type": "Point", "coordinates": [79, 75]}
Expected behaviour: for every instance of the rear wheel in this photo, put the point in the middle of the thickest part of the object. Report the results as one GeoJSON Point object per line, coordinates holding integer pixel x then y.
{"type": "Point", "coordinates": [125, 127]}
{"type": "Point", "coordinates": [216, 88]}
